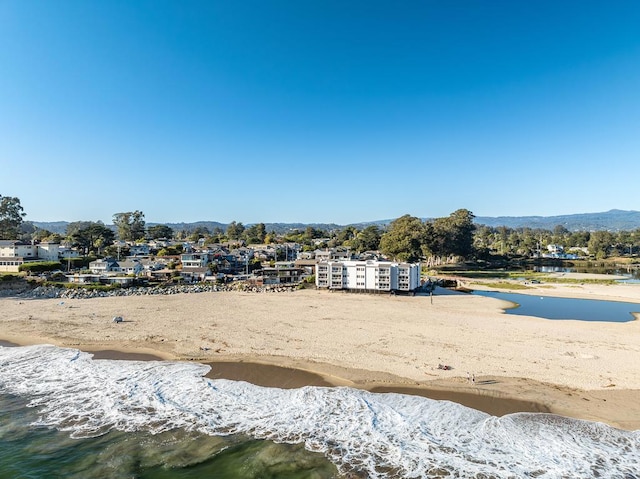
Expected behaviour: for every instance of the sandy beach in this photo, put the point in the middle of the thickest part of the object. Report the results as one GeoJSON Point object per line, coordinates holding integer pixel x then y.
{"type": "Point", "coordinates": [586, 370]}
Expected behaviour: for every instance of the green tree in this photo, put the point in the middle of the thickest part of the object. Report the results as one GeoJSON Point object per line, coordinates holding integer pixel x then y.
{"type": "Point", "coordinates": [93, 238]}
{"type": "Point", "coordinates": [452, 235]}
{"type": "Point", "coordinates": [270, 238]}
{"type": "Point", "coordinates": [578, 239]}
{"type": "Point", "coordinates": [405, 239]}
{"type": "Point", "coordinates": [130, 225]}
{"type": "Point", "coordinates": [311, 233]}
{"type": "Point", "coordinates": [160, 231]}
{"type": "Point", "coordinates": [198, 232]}
{"type": "Point", "coordinates": [560, 235]}
{"type": "Point", "coordinates": [41, 234]}
{"type": "Point", "coordinates": [255, 233]}
{"type": "Point", "coordinates": [76, 226]}
{"type": "Point", "coordinates": [346, 236]}
{"type": "Point", "coordinates": [600, 243]}
{"type": "Point", "coordinates": [11, 217]}
{"type": "Point", "coordinates": [461, 232]}
{"type": "Point", "coordinates": [235, 230]}
{"type": "Point", "coordinates": [368, 239]}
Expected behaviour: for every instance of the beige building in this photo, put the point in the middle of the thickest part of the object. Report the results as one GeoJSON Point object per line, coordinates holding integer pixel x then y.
{"type": "Point", "coordinates": [14, 253]}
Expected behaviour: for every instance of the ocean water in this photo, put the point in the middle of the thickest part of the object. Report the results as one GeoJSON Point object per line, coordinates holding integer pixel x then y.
{"type": "Point", "coordinates": [64, 414]}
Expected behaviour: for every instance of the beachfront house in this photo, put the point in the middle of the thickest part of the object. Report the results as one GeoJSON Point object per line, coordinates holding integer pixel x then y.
{"type": "Point", "coordinates": [102, 266]}
{"type": "Point", "coordinates": [194, 259]}
{"type": "Point", "coordinates": [193, 274]}
{"type": "Point", "coordinates": [109, 266]}
{"type": "Point", "coordinates": [284, 272]}
{"type": "Point", "coordinates": [128, 267]}
{"type": "Point", "coordinates": [368, 275]}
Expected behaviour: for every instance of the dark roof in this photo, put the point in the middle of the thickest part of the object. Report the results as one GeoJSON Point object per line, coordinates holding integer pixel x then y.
{"type": "Point", "coordinates": [194, 270]}
{"type": "Point", "coordinates": [13, 243]}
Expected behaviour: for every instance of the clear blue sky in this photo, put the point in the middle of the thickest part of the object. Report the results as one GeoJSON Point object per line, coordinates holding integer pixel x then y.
{"type": "Point", "coordinates": [318, 111]}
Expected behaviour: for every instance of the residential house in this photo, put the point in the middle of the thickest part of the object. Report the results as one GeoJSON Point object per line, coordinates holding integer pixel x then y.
{"type": "Point", "coordinates": [158, 244]}
{"type": "Point", "coordinates": [290, 251]}
{"type": "Point", "coordinates": [65, 252]}
{"type": "Point", "coordinates": [102, 266]}
{"type": "Point", "coordinates": [264, 252]}
{"type": "Point", "coordinates": [194, 259]}
{"type": "Point", "coordinates": [193, 274]}
{"type": "Point", "coordinates": [306, 255]}
{"type": "Point", "coordinates": [83, 278]}
{"type": "Point", "coordinates": [141, 249]}
{"type": "Point", "coordinates": [557, 252]}
{"type": "Point", "coordinates": [333, 254]}
{"type": "Point", "coordinates": [109, 266]}
{"type": "Point", "coordinates": [281, 275]}
{"type": "Point", "coordinates": [236, 261]}
{"type": "Point", "coordinates": [127, 267]}
{"type": "Point", "coordinates": [308, 265]}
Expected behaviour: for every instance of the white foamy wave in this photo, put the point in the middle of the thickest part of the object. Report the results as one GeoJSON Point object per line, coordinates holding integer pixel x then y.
{"type": "Point", "coordinates": [381, 435]}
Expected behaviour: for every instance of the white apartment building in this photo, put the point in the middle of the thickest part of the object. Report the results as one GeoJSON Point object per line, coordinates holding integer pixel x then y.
{"type": "Point", "coordinates": [368, 275]}
{"type": "Point", "coordinates": [14, 253]}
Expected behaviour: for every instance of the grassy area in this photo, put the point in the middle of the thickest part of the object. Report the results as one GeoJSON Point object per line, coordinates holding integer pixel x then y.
{"type": "Point", "coordinates": [524, 276]}
{"type": "Point", "coordinates": [561, 280]}
{"type": "Point", "coordinates": [491, 274]}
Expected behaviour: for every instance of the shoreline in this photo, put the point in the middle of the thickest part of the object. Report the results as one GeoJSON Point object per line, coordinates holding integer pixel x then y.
{"type": "Point", "coordinates": [376, 343]}
{"type": "Point", "coordinates": [286, 377]}
{"type": "Point", "coordinates": [497, 396]}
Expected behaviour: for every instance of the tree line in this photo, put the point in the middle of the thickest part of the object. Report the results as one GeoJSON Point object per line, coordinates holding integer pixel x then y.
{"type": "Point", "coordinates": [526, 242]}
{"type": "Point", "coordinates": [407, 238]}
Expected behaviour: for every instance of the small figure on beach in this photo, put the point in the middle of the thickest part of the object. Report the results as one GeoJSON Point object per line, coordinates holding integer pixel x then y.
{"type": "Point", "coordinates": [473, 378]}
{"type": "Point", "coordinates": [468, 377]}
{"type": "Point", "coordinates": [117, 319]}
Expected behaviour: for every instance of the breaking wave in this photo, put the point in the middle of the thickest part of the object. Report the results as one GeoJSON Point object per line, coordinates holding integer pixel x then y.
{"type": "Point", "coordinates": [378, 435]}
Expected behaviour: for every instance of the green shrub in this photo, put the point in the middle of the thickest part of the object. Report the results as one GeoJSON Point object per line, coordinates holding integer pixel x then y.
{"type": "Point", "coordinates": [40, 266]}
{"type": "Point", "coordinates": [89, 286]}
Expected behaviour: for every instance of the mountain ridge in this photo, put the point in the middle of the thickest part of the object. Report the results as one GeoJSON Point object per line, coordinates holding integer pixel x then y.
{"type": "Point", "coordinates": [612, 220]}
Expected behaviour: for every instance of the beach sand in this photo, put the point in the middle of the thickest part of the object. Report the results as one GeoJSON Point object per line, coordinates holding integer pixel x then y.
{"type": "Point", "coordinates": [382, 343]}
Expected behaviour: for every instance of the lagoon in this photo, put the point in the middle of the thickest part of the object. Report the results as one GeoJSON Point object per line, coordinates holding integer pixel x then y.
{"type": "Point", "coordinates": [548, 307]}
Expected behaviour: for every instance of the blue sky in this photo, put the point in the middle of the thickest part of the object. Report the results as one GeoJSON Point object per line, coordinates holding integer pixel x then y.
{"type": "Point", "coordinates": [326, 111]}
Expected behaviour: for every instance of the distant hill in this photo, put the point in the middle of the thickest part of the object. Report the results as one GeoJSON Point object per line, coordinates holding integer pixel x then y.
{"type": "Point", "coordinates": [277, 227]}
{"type": "Point", "coordinates": [54, 226]}
{"type": "Point", "coordinates": [613, 220]}
{"type": "Point", "coordinates": [60, 227]}
{"type": "Point", "coordinates": [210, 225]}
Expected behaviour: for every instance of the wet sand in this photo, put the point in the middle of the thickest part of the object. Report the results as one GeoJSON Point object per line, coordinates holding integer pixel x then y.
{"type": "Point", "coordinates": [379, 343]}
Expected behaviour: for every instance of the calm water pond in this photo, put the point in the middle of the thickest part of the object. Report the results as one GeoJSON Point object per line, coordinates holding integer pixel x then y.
{"type": "Point", "coordinates": [566, 308]}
